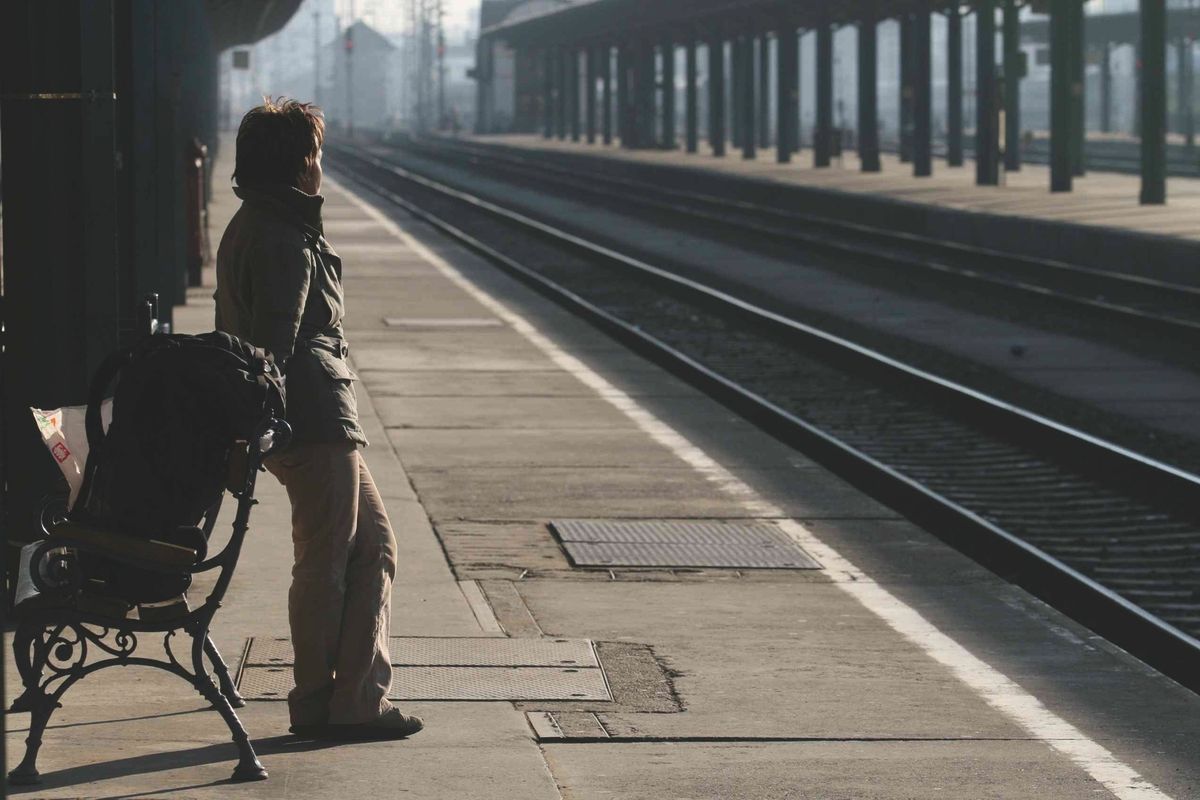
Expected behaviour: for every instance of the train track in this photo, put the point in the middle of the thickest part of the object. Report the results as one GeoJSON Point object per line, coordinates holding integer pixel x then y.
{"type": "Point", "coordinates": [1153, 306]}
{"type": "Point", "coordinates": [1108, 536]}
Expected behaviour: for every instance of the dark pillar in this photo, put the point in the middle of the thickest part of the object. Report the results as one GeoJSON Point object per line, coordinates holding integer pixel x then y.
{"type": "Point", "coordinates": [1060, 96]}
{"type": "Point", "coordinates": [606, 108]}
{"type": "Point", "coordinates": [60, 195]}
{"type": "Point", "coordinates": [787, 97]}
{"type": "Point", "coordinates": [716, 95]}
{"type": "Point", "coordinates": [736, 60]}
{"type": "Point", "coordinates": [906, 87]}
{"type": "Point", "coordinates": [560, 94]}
{"type": "Point", "coordinates": [987, 171]}
{"type": "Point", "coordinates": [748, 117]}
{"type": "Point", "coordinates": [1154, 101]}
{"type": "Point", "coordinates": [589, 93]}
{"type": "Point", "coordinates": [1106, 87]}
{"type": "Point", "coordinates": [823, 140]}
{"type": "Point", "coordinates": [868, 95]}
{"type": "Point", "coordinates": [1078, 93]}
{"type": "Point", "coordinates": [644, 86]}
{"type": "Point", "coordinates": [573, 92]}
{"type": "Point", "coordinates": [954, 88]}
{"type": "Point", "coordinates": [668, 94]}
{"type": "Point", "coordinates": [623, 96]}
{"type": "Point", "coordinates": [1187, 123]}
{"type": "Point", "coordinates": [691, 100]}
{"type": "Point", "coordinates": [548, 71]}
{"type": "Point", "coordinates": [1013, 73]}
{"type": "Point", "coordinates": [922, 96]}
{"type": "Point", "coordinates": [764, 91]}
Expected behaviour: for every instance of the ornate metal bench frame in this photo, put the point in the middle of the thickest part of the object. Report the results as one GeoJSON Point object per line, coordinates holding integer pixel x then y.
{"type": "Point", "coordinates": [57, 647]}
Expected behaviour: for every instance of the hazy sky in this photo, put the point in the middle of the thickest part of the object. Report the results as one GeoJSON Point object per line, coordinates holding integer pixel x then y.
{"type": "Point", "coordinates": [392, 15]}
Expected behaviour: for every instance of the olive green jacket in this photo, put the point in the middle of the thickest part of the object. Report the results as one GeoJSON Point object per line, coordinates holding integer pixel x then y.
{"type": "Point", "coordinates": [279, 286]}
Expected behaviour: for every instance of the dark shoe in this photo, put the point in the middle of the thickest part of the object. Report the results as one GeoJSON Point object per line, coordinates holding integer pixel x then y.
{"type": "Point", "coordinates": [314, 731]}
{"type": "Point", "coordinates": [393, 724]}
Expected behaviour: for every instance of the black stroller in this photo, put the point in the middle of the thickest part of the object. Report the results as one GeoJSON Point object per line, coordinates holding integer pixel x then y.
{"type": "Point", "coordinates": [138, 533]}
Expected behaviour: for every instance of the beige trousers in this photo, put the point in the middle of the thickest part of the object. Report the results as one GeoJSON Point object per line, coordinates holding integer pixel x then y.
{"type": "Point", "coordinates": [339, 604]}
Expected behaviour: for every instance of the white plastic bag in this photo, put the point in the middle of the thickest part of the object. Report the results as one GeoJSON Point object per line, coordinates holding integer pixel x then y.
{"type": "Point", "coordinates": [64, 431]}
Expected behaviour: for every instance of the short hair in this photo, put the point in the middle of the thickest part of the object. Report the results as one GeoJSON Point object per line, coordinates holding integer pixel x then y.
{"type": "Point", "coordinates": [276, 141]}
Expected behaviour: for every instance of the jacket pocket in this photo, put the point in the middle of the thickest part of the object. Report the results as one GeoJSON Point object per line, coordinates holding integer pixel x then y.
{"type": "Point", "coordinates": [334, 366]}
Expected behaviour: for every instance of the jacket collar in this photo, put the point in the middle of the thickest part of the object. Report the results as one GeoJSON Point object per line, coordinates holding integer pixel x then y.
{"type": "Point", "coordinates": [287, 202]}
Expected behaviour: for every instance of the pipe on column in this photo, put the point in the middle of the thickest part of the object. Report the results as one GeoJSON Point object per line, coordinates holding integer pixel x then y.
{"type": "Point", "coordinates": [1106, 87]}
{"type": "Point", "coordinates": [1012, 86]}
{"type": "Point", "coordinates": [1060, 96]}
{"type": "Point", "coordinates": [868, 95]}
{"type": "Point", "coordinates": [987, 172]}
{"type": "Point", "coordinates": [668, 94]}
{"type": "Point", "coordinates": [716, 95]}
{"type": "Point", "coordinates": [623, 132]}
{"type": "Point", "coordinates": [823, 140]}
{"type": "Point", "coordinates": [922, 95]}
{"type": "Point", "coordinates": [1154, 102]}
{"type": "Point", "coordinates": [954, 88]}
{"type": "Point", "coordinates": [787, 112]}
{"type": "Point", "coordinates": [691, 99]}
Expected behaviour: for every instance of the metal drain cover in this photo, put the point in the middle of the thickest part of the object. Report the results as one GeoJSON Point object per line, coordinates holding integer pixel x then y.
{"type": "Point", "coordinates": [476, 651]}
{"type": "Point", "coordinates": [466, 668]}
{"type": "Point", "coordinates": [680, 543]}
{"type": "Point", "coordinates": [442, 322]}
{"type": "Point", "coordinates": [454, 683]}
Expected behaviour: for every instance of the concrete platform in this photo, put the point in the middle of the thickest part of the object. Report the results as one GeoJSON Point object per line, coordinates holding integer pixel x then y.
{"type": "Point", "coordinates": [900, 670]}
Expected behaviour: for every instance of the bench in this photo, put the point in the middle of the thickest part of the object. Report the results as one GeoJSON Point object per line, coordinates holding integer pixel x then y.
{"type": "Point", "coordinates": [70, 630]}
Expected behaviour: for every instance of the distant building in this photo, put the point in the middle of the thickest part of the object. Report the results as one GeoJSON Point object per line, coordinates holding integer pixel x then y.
{"type": "Point", "coordinates": [366, 73]}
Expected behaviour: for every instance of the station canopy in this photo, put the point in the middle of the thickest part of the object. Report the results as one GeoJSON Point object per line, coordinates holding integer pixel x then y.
{"type": "Point", "coordinates": [614, 19]}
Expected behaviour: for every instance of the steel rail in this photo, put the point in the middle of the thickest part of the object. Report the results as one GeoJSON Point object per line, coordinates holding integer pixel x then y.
{"type": "Point", "coordinates": [846, 237]}
{"type": "Point", "coordinates": [1167, 648]}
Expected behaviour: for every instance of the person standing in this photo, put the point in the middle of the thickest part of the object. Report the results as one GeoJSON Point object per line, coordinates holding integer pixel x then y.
{"type": "Point", "coordinates": [279, 286]}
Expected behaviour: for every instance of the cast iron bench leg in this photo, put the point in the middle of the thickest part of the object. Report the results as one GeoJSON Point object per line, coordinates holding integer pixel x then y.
{"type": "Point", "coordinates": [226, 683]}
{"type": "Point", "coordinates": [249, 768]}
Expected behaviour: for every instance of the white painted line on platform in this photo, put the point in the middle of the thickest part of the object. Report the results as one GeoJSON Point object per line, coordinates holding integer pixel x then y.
{"type": "Point", "coordinates": [481, 608]}
{"type": "Point", "coordinates": [994, 687]}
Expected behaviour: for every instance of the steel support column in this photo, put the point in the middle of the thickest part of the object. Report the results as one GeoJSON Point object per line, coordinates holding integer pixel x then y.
{"type": "Point", "coordinates": [905, 126]}
{"type": "Point", "coordinates": [716, 95]}
{"type": "Point", "coordinates": [922, 95]}
{"type": "Point", "coordinates": [1013, 63]}
{"type": "Point", "coordinates": [691, 99]}
{"type": "Point", "coordinates": [954, 88]}
{"type": "Point", "coordinates": [746, 99]}
{"type": "Point", "coordinates": [736, 68]}
{"type": "Point", "coordinates": [764, 91]}
{"type": "Point", "coordinates": [623, 96]}
{"type": "Point", "coordinates": [589, 93]}
{"type": "Point", "coordinates": [646, 110]}
{"type": "Point", "coordinates": [1078, 93]}
{"type": "Point", "coordinates": [823, 139]}
{"type": "Point", "coordinates": [548, 94]}
{"type": "Point", "coordinates": [786, 112]}
{"type": "Point", "coordinates": [573, 92]}
{"type": "Point", "coordinates": [987, 172]}
{"type": "Point", "coordinates": [1060, 96]}
{"type": "Point", "coordinates": [560, 94]}
{"type": "Point", "coordinates": [1106, 87]}
{"type": "Point", "coordinates": [868, 95]}
{"type": "Point", "coordinates": [606, 94]}
{"type": "Point", "coordinates": [1187, 121]}
{"type": "Point", "coordinates": [668, 94]}
{"type": "Point", "coordinates": [1154, 101]}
